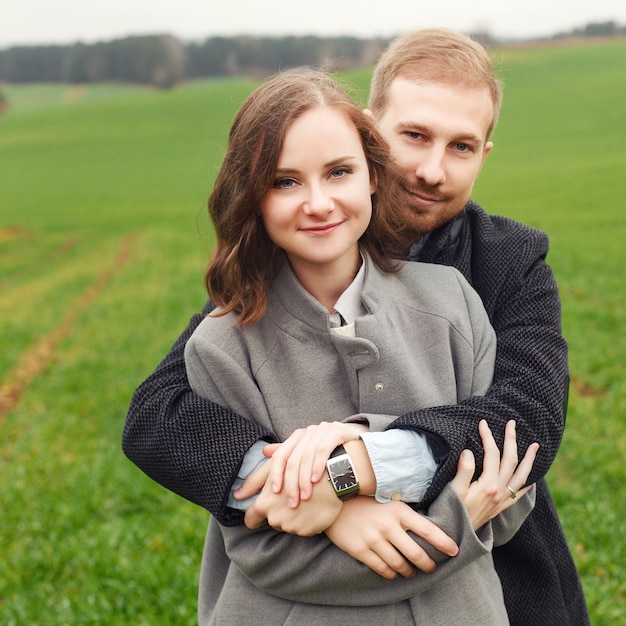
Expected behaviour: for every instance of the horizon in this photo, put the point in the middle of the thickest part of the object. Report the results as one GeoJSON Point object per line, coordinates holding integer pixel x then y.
{"type": "Point", "coordinates": [66, 22]}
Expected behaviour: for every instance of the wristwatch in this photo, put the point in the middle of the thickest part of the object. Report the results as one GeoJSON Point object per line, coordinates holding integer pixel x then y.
{"type": "Point", "coordinates": [342, 475]}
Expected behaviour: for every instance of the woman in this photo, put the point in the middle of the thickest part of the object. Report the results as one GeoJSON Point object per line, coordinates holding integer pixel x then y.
{"type": "Point", "coordinates": [315, 318]}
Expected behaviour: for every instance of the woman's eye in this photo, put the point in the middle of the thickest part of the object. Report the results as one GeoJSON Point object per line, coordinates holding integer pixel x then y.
{"type": "Point", "coordinates": [340, 172]}
{"type": "Point", "coordinates": [284, 183]}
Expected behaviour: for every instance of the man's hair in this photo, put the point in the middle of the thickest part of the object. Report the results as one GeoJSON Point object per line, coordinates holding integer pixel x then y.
{"type": "Point", "coordinates": [245, 259]}
{"type": "Point", "coordinates": [438, 55]}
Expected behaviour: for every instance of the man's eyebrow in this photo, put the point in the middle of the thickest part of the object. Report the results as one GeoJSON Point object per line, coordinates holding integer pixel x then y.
{"type": "Point", "coordinates": [425, 128]}
{"type": "Point", "coordinates": [412, 126]}
{"type": "Point", "coordinates": [468, 138]}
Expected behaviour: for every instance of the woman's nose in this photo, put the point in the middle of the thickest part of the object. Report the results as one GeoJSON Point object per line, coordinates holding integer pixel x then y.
{"type": "Point", "coordinates": [318, 202]}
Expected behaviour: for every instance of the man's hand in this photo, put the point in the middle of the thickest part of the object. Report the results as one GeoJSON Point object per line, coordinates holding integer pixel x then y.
{"type": "Point", "coordinates": [310, 517]}
{"type": "Point", "coordinates": [489, 495]}
{"type": "Point", "coordinates": [376, 534]}
{"type": "Point", "coordinates": [300, 461]}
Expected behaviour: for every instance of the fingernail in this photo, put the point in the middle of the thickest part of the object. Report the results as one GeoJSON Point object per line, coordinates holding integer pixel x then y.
{"type": "Point", "coordinates": [275, 488]}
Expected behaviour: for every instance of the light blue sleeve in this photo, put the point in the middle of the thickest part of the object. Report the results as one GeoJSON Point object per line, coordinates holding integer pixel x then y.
{"type": "Point", "coordinates": [402, 462]}
{"type": "Point", "coordinates": [252, 460]}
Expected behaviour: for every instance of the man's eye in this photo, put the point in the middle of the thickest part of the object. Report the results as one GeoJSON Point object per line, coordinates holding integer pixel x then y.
{"type": "Point", "coordinates": [463, 147]}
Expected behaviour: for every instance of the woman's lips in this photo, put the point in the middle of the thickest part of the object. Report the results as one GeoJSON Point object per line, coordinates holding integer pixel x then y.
{"type": "Point", "coordinates": [321, 230]}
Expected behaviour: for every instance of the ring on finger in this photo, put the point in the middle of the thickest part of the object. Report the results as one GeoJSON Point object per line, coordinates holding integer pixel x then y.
{"type": "Point", "coordinates": [512, 492]}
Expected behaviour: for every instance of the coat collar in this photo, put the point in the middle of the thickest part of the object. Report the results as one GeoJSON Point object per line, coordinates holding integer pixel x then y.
{"type": "Point", "coordinates": [290, 305]}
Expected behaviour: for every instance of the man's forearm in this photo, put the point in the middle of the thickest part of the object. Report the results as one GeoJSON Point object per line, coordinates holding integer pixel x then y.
{"type": "Point", "coordinates": [362, 465]}
{"type": "Point", "coordinates": [530, 385]}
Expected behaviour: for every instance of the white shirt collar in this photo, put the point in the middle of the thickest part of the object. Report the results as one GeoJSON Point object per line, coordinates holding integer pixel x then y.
{"type": "Point", "coordinates": [349, 305]}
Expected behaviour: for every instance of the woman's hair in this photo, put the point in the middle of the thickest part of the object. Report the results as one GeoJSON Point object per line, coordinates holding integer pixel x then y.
{"type": "Point", "coordinates": [246, 260]}
{"type": "Point", "coordinates": [435, 54]}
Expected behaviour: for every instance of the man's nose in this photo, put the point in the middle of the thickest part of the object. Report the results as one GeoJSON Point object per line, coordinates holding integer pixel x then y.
{"type": "Point", "coordinates": [431, 168]}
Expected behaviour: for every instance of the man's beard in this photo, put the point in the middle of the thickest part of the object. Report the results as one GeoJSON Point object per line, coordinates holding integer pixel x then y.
{"type": "Point", "coordinates": [419, 188]}
{"type": "Point", "coordinates": [421, 220]}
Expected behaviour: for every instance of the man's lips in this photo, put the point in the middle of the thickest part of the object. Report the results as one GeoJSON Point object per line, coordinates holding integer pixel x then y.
{"type": "Point", "coordinates": [423, 199]}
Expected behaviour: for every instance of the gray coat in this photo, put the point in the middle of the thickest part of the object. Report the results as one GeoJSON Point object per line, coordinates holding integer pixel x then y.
{"type": "Point", "coordinates": [425, 342]}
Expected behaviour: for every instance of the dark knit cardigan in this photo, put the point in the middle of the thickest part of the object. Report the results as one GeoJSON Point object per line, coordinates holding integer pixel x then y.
{"type": "Point", "coordinates": [194, 447]}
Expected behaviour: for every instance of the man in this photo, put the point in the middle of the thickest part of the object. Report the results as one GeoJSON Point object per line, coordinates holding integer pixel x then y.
{"type": "Point", "coordinates": [437, 100]}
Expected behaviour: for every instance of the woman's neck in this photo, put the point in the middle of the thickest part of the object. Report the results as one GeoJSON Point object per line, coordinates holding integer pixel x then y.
{"type": "Point", "coordinates": [327, 282]}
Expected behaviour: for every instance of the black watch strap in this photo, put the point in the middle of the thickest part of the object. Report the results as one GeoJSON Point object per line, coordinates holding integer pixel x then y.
{"type": "Point", "coordinates": [338, 451]}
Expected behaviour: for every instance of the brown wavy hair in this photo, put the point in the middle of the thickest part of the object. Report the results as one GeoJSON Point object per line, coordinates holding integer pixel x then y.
{"type": "Point", "coordinates": [245, 259]}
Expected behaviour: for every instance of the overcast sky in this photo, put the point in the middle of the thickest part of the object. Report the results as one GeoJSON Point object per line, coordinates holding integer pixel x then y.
{"type": "Point", "coordinates": [67, 21]}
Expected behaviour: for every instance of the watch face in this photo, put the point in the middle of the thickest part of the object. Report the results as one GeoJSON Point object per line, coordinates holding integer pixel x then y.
{"type": "Point", "coordinates": [342, 474]}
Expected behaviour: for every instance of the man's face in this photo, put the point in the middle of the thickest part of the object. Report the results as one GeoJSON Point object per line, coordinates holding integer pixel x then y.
{"type": "Point", "coordinates": [438, 136]}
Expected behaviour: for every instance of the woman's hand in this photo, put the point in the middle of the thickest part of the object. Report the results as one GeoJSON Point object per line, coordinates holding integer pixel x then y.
{"type": "Point", "coordinates": [502, 477]}
{"type": "Point", "coordinates": [376, 534]}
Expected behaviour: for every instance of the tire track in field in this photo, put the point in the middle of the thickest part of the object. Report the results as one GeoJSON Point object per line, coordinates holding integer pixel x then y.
{"type": "Point", "coordinates": [34, 360]}
{"type": "Point", "coordinates": [16, 231]}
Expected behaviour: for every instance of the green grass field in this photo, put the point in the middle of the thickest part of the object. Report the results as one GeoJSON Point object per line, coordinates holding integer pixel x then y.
{"type": "Point", "coordinates": [103, 242]}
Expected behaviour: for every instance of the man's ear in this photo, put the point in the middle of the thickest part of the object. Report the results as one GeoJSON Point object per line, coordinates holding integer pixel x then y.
{"type": "Point", "coordinates": [488, 148]}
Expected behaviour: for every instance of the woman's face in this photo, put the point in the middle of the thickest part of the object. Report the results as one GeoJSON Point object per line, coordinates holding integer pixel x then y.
{"type": "Point", "coordinates": [320, 203]}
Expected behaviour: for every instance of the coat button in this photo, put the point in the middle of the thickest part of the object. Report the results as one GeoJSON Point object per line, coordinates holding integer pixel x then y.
{"type": "Point", "coordinates": [379, 386]}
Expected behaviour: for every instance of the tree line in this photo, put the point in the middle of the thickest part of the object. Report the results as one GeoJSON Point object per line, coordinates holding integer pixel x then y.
{"type": "Point", "coordinates": [164, 61]}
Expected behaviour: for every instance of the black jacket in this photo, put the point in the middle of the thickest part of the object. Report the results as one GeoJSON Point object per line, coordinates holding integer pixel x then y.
{"type": "Point", "coordinates": [505, 262]}
{"type": "Point", "coordinates": [194, 447]}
